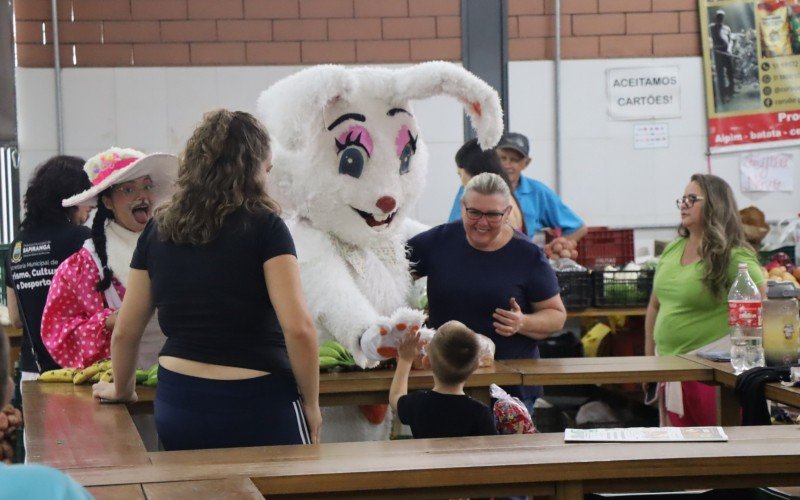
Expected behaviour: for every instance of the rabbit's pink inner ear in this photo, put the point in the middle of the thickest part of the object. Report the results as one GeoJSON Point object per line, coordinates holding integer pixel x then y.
{"type": "Point", "coordinates": [476, 106]}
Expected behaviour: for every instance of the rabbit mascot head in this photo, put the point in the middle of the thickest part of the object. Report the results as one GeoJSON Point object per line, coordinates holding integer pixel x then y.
{"type": "Point", "coordinates": [348, 164]}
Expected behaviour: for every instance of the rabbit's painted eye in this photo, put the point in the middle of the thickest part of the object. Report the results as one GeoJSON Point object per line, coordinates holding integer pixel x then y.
{"type": "Point", "coordinates": [405, 158]}
{"type": "Point", "coordinates": [352, 153]}
{"type": "Point", "coordinates": [407, 152]}
{"type": "Point", "coordinates": [351, 161]}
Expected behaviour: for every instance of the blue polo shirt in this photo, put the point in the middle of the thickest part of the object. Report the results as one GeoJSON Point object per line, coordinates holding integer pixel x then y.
{"type": "Point", "coordinates": [541, 207]}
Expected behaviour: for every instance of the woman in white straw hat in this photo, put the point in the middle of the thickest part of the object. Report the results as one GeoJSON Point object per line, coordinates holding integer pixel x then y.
{"type": "Point", "coordinates": [87, 288]}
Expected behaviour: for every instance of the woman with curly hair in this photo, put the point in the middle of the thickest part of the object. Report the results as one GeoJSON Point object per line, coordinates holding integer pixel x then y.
{"type": "Point", "coordinates": [88, 287]}
{"type": "Point", "coordinates": [688, 308]}
{"type": "Point", "coordinates": [240, 365]}
{"type": "Point", "coordinates": [49, 233]}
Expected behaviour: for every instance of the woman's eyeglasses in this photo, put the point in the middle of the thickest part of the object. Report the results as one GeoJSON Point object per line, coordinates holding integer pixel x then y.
{"type": "Point", "coordinates": [688, 201]}
{"type": "Point", "coordinates": [493, 217]}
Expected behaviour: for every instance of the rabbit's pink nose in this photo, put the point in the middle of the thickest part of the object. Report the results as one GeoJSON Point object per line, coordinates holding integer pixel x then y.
{"type": "Point", "coordinates": [386, 204]}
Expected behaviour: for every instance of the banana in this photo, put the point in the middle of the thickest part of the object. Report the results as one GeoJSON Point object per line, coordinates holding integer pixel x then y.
{"type": "Point", "coordinates": [86, 374]}
{"type": "Point", "coordinates": [336, 346]}
{"type": "Point", "coordinates": [60, 375]}
{"type": "Point", "coordinates": [141, 376]}
{"type": "Point", "coordinates": [151, 381]}
{"type": "Point", "coordinates": [326, 362]}
{"type": "Point", "coordinates": [96, 377]}
{"type": "Point", "coordinates": [107, 376]}
{"type": "Point", "coordinates": [104, 364]}
{"type": "Point", "coordinates": [329, 352]}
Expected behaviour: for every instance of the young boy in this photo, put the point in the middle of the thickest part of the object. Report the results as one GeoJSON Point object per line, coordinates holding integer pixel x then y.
{"type": "Point", "coordinates": [444, 411]}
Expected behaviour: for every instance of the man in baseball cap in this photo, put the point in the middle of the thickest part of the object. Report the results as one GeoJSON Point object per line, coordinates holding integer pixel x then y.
{"type": "Point", "coordinates": [540, 205]}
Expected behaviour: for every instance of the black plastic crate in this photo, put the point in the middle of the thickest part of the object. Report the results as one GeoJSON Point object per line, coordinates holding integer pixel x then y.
{"type": "Point", "coordinates": [622, 288]}
{"type": "Point", "coordinates": [576, 288]}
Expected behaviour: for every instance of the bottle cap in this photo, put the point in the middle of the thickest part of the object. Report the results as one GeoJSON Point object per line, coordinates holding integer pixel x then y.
{"type": "Point", "coordinates": [781, 290]}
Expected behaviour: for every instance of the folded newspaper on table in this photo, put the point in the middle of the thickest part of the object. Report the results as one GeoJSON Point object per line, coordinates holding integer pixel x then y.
{"type": "Point", "coordinates": [646, 434]}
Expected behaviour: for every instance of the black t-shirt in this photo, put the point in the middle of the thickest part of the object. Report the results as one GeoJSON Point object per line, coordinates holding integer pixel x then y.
{"type": "Point", "coordinates": [32, 260]}
{"type": "Point", "coordinates": [431, 414]}
{"type": "Point", "coordinates": [212, 300]}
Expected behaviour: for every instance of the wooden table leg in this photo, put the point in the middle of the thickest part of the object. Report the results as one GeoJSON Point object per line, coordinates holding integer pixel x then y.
{"type": "Point", "coordinates": [728, 409]}
{"type": "Point", "coordinates": [569, 490]}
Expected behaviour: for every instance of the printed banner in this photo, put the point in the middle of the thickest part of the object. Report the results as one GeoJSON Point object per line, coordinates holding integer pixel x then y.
{"type": "Point", "coordinates": [751, 56]}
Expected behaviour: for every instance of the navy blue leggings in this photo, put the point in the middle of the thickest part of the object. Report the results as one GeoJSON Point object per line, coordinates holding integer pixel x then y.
{"type": "Point", "coordinates": [193, 413]}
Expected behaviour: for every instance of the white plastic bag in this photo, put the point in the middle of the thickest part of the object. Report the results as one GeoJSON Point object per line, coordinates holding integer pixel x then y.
{"type": "Point", "coordinates": [783, 234]}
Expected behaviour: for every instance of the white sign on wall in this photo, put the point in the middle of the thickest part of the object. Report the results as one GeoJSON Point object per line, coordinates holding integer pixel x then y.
{"type": "Point", "coordinates": [767, 171]}
{"type": "Point", "coordinates": [643, 93]}
{"type": "Point", "coordinates": [650, 136]}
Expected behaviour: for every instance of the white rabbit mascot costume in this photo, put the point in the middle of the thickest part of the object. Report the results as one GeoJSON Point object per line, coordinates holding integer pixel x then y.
{"type": "Point", "coordinates": [348, 164]}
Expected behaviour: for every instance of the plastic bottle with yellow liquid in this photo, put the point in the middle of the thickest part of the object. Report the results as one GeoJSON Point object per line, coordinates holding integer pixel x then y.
{"type": "Point", "coordinates": [781, 324]}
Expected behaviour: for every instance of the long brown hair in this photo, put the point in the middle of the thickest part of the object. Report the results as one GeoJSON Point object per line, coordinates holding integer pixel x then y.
{"type": "Point", "coordinates": [221, 170]}
{"type": "Point", "coordinates": [722, 231]}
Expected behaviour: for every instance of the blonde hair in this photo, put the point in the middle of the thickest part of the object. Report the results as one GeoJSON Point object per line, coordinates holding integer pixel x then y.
{"type": "Point", "coordinates": [722, 231]}
{"type": "Point", "coordinates": [488, 184]}
{"type": "Point", "coordinates": [221, 170]}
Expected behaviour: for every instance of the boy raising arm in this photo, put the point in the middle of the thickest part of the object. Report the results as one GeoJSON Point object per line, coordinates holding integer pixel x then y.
{"type": "Point", "coordinates": [444, 411]}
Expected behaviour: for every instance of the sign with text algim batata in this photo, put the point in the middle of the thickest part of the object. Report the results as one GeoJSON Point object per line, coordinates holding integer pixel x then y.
{"type": "Point", "coordinates": [751, 58]}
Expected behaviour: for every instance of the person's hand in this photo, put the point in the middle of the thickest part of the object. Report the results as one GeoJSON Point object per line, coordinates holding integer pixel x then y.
{"type": "Point", "coordinates": [410, 346]}
{"type": "Point", "coordinates": [111, 320]}
{"type": "Point", "coordinates": [313, 419]}
{"type": "Point", "coordinates": [508, 321]}
{"type": "Point", "coordinates": [107, 392]}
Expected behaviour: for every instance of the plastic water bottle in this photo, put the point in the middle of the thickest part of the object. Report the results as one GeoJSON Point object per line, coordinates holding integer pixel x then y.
{"type": "Point", "coordinates": [745, 319]}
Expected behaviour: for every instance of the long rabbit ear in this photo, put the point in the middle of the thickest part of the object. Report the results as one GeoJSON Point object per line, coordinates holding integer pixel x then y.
{"type": "Point", "coordinates": [481, 101]}
{"type": "Point", "coordinates": [292, 108]}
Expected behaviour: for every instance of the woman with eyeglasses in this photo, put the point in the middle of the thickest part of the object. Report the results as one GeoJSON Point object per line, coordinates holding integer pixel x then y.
{"type": "Point", "coordinates": [688, 308]}
{"type": "Point", "coordinates": [491, 278]}
{"type": "Point", "coordinates": [88, 287]}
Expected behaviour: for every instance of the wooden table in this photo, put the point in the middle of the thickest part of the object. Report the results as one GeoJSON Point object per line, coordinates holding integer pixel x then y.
{"type": "Point", "coordinates": [541, 465]}
{"type": "Point", "coordinates": [729, 402]}
{"type": "Point", "coordinates": [372, 386]}
{"type": "Point", "coordinates": [612, 370]}
{"type": "Point", "coordinates": [368, 387]}
{"type": "Point", "coordinates": [599, 312]}
{"type": "Point", "coordinates": [67, 429]}
{"type": "Point", "coordinates": [98, 445]}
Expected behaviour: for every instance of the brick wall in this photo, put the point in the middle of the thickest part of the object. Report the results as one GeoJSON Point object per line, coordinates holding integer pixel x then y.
{"type": "Point", "coordinates": [262, 32]}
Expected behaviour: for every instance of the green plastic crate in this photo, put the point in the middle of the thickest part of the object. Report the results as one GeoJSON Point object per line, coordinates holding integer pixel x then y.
{"type": "Point", "coordinates": [765, 257]}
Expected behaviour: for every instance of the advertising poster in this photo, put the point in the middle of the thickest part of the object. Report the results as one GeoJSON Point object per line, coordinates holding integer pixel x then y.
{"type": "Point", "coordinates": [751, 56]}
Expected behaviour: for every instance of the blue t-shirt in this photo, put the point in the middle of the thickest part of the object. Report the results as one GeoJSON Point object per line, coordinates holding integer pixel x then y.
{"type": "Point", "coordinates": [540, 206]}
{"type": "Point", "coordinates": [39, 482]}
{"type": "Point", "coordinates": [467, 284]}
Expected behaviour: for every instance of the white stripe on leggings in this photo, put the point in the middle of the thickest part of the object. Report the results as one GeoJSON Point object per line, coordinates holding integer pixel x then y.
{"type": "Point", "coordinates": [301, 422]}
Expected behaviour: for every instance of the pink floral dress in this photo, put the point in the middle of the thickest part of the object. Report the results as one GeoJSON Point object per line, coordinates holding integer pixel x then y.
{"type": "Point", "coordinates": [73, 323]}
